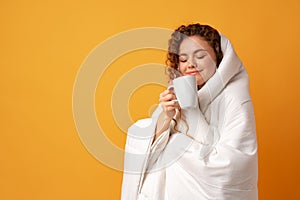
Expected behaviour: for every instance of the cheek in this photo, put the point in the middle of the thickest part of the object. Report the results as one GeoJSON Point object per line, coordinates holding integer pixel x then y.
{"type": "Point", "coordinates": [209, 72]}
{"type": "Point", "coordinates": [182, 68]}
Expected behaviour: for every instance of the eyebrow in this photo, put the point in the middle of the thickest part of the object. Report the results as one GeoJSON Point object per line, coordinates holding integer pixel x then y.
{"type": "Point", "coordinates": [198, 50]}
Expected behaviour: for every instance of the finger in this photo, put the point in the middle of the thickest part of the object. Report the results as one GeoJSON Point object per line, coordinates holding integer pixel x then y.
{"type": "Point", "coordinates": [176, 104]}
{"type": "Point", "coordinates": [170, 88]}
{"type": "Point", "coordinates": [168, 97]}
{"type": "Point", "coordinates": [168, 91]}
{"type": "Point", "coordinates": [164, 93]}
{"type": "Point", "coordinates": [173, 104]}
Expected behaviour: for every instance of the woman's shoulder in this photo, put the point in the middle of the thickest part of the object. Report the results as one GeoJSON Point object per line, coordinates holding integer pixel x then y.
{"type": "Point", "coordinates": [237, 90]}
{"type": "Point", "coordinates": [235, 97]}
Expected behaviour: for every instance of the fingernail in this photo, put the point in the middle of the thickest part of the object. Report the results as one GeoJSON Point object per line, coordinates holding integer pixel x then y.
{"type": "Point", "coordinates": [170, 87]}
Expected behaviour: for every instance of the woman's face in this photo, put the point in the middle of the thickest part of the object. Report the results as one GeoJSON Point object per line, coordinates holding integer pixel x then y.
{"type": "Point", "coordinates": [197, 58]}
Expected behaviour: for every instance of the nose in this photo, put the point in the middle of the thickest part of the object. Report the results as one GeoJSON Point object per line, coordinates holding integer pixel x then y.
{"type": "Point", "coordinates": [191, 63]}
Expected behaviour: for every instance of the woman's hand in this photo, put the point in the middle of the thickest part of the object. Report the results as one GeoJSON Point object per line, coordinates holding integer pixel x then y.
{"type": "Point", "coordinates": [169, 103]}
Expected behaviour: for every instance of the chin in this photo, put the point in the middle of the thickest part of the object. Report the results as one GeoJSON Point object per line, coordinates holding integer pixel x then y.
{"type": "Point", "coordinates": [200, 81]}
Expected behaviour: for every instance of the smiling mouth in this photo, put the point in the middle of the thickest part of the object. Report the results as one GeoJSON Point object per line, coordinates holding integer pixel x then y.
{"type": "Point", "coordinates": [193, 73]}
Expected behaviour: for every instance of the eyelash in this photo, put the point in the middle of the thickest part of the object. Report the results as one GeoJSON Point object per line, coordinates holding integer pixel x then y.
{"type": "Point", "coordinates": [198, 57]}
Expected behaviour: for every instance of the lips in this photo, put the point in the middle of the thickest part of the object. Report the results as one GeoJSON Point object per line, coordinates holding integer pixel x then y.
{"type": "Point", "coordinates": [192, 73]}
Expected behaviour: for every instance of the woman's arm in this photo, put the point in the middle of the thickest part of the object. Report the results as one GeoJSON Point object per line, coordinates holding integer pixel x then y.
{"type": "Point", "coordinates": [163, 124]}
{"type": "Point", "coordinates": [169, 110]}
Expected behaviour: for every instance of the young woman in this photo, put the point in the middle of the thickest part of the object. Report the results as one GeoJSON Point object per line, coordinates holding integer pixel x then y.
{"type": "Point", "coordinates": [205, 153]}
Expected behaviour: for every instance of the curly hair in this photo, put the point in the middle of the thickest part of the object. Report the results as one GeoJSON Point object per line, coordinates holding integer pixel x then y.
{"type": "Point", "coordinates": [206, 32]}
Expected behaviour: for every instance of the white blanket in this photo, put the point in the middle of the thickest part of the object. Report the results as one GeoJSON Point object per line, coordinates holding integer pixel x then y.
{"type": "Point", "coordinates": [216, 159]}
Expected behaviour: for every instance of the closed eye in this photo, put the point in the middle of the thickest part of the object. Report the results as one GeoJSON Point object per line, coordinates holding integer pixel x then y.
{"type": "Point", "coordinates": [200, 57]}
{"type": "Point", "coordinates": [183, 58]}
{"type": "Point", "coordinates": [200, 53]}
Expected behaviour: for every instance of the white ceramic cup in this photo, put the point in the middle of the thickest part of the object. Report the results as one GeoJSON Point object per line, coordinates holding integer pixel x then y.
{"type": "Point", "coordinates": [185, 88]}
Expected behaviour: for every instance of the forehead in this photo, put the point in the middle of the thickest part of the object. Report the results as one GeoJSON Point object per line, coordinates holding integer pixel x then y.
{"type": "Point", "coordinates": [193, 43]}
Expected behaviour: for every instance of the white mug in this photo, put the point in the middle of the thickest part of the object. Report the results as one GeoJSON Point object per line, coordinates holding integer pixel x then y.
{"type": "Point", "coordinates": [185, 88]}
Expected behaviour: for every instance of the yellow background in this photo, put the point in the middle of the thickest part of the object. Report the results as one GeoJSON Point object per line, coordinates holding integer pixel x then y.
{"type": "Point", "coordinates": [43, 44]}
